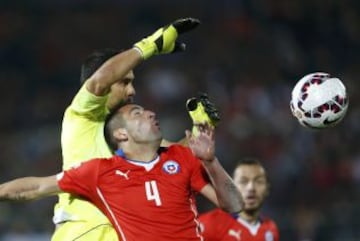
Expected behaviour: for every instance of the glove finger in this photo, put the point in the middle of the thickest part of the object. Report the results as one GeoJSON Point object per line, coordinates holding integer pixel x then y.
{"type": "Point", "coordinates": [204, 99]}
{"type": "Point", "coordinates": [214, 116]}
{"type": "Point", "coordinates": [185, 24]}
{"type": "Point", "coordinates": [191, 104]}
{"type": "Point", "coordinates": [179, 47]}
{"type": "Point", "coordinates": [210, 108]}
{"type": "Point", "coordinates": [212, 111]}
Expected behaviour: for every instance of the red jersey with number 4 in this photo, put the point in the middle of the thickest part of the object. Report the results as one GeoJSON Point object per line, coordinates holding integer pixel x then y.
{"type": "Point", "coordinates": [155, 203]}
{"type": "Point", "coordinates": [218, 225]}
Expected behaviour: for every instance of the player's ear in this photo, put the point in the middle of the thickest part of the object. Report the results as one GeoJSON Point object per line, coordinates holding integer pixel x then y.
{"type": "Point", "coordinates": [120, 135]}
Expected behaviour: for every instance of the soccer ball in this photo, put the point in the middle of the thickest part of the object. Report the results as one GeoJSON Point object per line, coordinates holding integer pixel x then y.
{"type": "Point", "coordinates": [319, 100]}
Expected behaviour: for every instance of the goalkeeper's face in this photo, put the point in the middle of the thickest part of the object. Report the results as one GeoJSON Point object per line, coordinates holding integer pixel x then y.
{"type": "Point", "coordinates": [253, 185]}
{"type": "Point", "coordinates": [122, 91]}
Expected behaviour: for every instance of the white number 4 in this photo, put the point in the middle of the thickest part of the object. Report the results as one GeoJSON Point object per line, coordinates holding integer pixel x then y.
{"type": "Point", "coordinates": [152, 192]}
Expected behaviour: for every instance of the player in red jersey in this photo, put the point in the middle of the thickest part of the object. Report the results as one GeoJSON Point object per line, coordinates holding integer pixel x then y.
{"type": "Point", "coordinates": [147, 192]}
{"type": "Point", "coordinates": [250, 178]}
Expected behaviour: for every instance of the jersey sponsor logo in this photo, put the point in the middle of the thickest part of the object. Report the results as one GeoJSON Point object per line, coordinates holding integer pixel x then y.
{"type": "Point", "coordinates": [123, 174]}
{"type": "Point", "coordinates": [171, 167]}
{"type": "Point", "coordinates": [235, 234]}
{"type": "Point", "coordinates": [269, 236]}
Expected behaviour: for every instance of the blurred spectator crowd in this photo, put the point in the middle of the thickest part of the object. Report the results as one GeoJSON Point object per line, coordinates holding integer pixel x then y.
{"type": "Point", "coordinates": [247, 55]}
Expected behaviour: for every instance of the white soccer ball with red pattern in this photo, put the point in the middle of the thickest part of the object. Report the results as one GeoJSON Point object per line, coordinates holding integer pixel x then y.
{"type": "Point", "coordinates": [319, 100]}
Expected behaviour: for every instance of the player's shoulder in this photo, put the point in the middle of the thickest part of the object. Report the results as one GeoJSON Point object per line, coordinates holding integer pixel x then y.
{"type": "Point", "coordinates": [100, 162]}
{"type": "Point", "coordinates": [267, 221]}
{"type": "Point", "coordinates": [176, 146]}
{"type": "Point", "coordinates": [106, 161]}
{"type": "Point", "coordinates": [177, 149]}
{"type": "Point", "coordinates": [217, 212]}
{"type": "Point", "coordinates": [210, 220]}
{"type": "Point", "coordinates": [102, 165]}
{"type": "Point", "coordinates": [177, 152]}
{"type": "Point", "coordinates": [271, 228]}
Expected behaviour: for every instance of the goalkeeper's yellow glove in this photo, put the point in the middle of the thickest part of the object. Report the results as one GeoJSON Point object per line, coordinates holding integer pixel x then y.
{"type": "Point", "coordinates": [201, 111]}
{"type": "Point", "coordinates": [163, 41]}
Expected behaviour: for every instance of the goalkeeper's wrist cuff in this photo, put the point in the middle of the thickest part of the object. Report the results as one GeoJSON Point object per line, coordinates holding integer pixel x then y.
{"type": "Point", "coordinates": [195, 130]}
{"type": "Point", "coordinates": [139, 51]}
{"type": "Point", "coordinates": [145, 48]}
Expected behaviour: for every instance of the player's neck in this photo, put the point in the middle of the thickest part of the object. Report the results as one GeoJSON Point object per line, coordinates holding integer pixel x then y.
{"type": "Point", "coordinates": [250, 217]}
{"type": "Point", "coordinates": [141, 152]}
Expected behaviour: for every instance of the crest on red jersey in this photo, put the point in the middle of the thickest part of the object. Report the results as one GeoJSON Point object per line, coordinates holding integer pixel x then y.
{"type": "Point", "coordinates": [269, 236]}
{"type": "Point", "coordinates": [171, 167]}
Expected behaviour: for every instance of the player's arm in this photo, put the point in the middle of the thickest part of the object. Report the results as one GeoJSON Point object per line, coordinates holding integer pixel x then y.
{"type": "Point", "coordinates": [223, 191]}
{"type": "Point", "coordinates": [29, 188]}
{"type": "Point", "coordinates": [163, 41]}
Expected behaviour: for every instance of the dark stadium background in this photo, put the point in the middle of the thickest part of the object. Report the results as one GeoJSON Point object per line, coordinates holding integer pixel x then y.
{"type": "Point", "coordinates": [246, 54]}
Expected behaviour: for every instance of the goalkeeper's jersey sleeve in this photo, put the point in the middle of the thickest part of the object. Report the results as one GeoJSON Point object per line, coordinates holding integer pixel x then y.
{"type": "Point", "coordinates": [82, 139]}
{"type": "Point", "coordinates": [82, 136]}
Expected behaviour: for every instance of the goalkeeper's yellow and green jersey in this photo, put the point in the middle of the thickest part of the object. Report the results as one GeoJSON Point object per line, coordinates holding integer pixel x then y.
{"type": "Point", "coordinates": [82, 139]}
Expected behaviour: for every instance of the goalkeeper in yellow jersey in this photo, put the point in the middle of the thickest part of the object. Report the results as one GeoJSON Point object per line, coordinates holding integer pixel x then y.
{"type": "Point", "coordinates": [107, 82]}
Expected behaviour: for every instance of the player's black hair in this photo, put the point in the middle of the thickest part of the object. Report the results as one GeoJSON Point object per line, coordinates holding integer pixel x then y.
{"type": "Point", "coordinates": [113, 120]}
{"type": "Point", "coordinates": [248, 161]}
{"type": "Point", "coordinates": [94, 61]}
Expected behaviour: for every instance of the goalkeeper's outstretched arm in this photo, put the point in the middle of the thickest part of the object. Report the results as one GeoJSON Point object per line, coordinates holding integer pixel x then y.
{"type": "Point", "coordinates": [163, 41]}
{"type": "Point", "coordinates": [29, 188]}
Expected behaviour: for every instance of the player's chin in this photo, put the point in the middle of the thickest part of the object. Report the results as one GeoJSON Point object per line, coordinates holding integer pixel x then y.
{"type": "Point", "coordinates": [252, 206]}
{"type": "Point", "coordinates": [130, 100]}
{"type": "Point", "coordinates": [252, 209]}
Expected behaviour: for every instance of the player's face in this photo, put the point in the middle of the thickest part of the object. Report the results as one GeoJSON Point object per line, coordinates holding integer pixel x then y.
{"type": "Point", "coordinates": [122, 91]}
{"type": "Point", "coordinates": [252, 184]}
{"type": "Point", "coordinates": [142, 125]}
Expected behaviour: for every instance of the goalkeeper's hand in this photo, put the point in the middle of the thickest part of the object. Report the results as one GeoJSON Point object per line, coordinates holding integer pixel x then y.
{"type": "Point", "coordinates": [202, 111]}
{"type": "Point", "coordinates": [163, 41]}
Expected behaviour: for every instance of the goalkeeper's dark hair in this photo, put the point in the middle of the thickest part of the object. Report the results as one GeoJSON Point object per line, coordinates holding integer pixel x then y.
{"type": "Point", "coordinates": [113, 121]}
{"type": "Point", "coordinates": [95, 60]}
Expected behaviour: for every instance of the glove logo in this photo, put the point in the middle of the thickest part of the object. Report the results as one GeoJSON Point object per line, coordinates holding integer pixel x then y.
{"type": "Point", "coordinates": [330, 122]}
